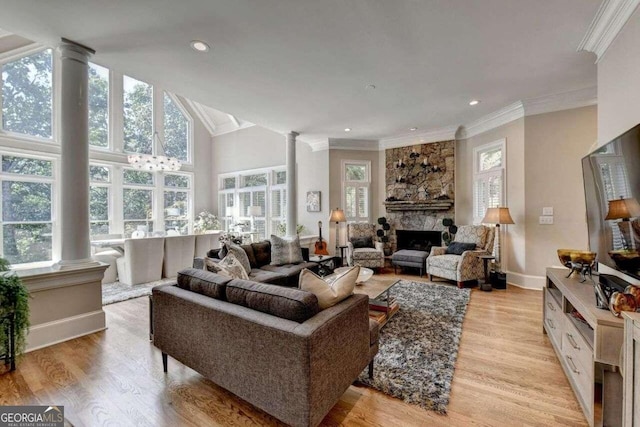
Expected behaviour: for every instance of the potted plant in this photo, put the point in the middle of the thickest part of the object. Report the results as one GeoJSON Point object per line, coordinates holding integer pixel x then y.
{"type": "Point", "coordinates": [14, 313]}
{"type": "Point", "coordinates": [383, 234]}
{"type": "Point", "coordinates": [206, 221]}
{"type": "Point", "coordinates": [282, 229]}
{"type": "Point", "coordinates": [450, 233]}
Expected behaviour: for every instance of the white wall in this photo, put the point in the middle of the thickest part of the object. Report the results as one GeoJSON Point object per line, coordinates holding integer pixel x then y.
{"type": "Point", "coordinates": [257, 147]}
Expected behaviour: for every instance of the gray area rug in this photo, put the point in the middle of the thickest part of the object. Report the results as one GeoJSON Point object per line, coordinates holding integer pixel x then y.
{"type": "Point", "coordinates": [419, 345]}
{"type": "Point", "coordinates": [116, 291]}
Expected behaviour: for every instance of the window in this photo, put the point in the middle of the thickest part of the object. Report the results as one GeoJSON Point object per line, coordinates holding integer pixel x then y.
{"type": "Point", "coordinates": [137, 196]}
{"type": "Point", "coordinates": [356, 180]}
{"type": "Point", "coordinates": [98, 106]}
{"type": "Point", "coordinates": [176, 130]}
{"type": "Point", "coordinates": [26, 95]}
{"type": "Point", "coordinates": [138, 116]}
{"type": "Point", "coordinates": [177, 197]}
{"type": "Point", "coordinates": [99, 199]}
{"type": "Point", "coordinates": [27, 206]}
{"type": "Point", "coordinates": [265, 188]}
{"type": "Point", "coordinates": [488, 178]}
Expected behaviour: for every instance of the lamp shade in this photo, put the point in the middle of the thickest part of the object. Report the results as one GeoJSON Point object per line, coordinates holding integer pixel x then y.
{"type": "Point", "coordinates": [254, 211]}
{"type": "Point", "coordinates": [337, 215]}
{"type": "Point", "coordinates": [497, 216]}
{"type": "Point", "coordinates": [623, 209]}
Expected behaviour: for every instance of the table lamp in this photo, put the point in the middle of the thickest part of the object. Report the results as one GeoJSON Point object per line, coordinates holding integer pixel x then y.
{"type": "Point", "coordinates": [497, 216]}
{"type": "Point", "coordinates": [624, 209]}
{"type": "Point", "coordinates": [337, 216]}
{"type": "Point", "coordinates": [253, 212]}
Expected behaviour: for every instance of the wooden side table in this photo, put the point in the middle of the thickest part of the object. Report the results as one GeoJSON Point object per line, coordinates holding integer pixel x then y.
{"type": "Point", "coordinates": [486, 286]}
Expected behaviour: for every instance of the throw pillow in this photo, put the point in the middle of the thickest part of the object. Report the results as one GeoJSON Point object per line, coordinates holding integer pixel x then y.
{"type": "Point", "coordinates": [362, 242]}
{"type": "Point", "coordinates": [329, 294]}
{"type": "Point", "coordinates": [285, 251]}
{"type": "Point", "coordinates": [240, 255]}
{"type": "Point", "coordinates": [229, 266]}
{"type": "Point", "coordinates": [457, 248]}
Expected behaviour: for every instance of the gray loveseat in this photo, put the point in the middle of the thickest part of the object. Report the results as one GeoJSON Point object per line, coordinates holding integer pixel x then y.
{"type": "Point", "coordinates": [269, 345]}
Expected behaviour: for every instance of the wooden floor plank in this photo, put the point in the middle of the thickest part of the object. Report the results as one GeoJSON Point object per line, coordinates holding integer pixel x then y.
{"type": "Point", "coordinates": [506, 374]}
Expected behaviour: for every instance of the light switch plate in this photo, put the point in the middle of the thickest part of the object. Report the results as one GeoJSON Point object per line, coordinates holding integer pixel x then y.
{"type": "Point", "coordinates": [546, 220]}
{"type": "Point", "coordinates": [547, 211]}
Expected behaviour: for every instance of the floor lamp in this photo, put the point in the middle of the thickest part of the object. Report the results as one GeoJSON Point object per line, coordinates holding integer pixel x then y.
{"type": "Point", "coordinates": [498, 216]}
{"type": "Point", "coordinates": [337, 216]}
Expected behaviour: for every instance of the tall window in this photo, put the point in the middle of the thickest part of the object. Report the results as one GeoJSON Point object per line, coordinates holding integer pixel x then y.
{"type": "Point", "coordinates": [137, 196]}
{"type": "Point", "coordinates": [356, 180]}
{"type": "Point", "coordinates": [177, 194]}
{"type": "Point", "coordinates": [176, 129]}
{"type": "Point", "coordinates": [264, 188]}
{"type": "Point", "coordinates": [99, 199]}
{"type": "Point", "coordinates": [98, 106]}
{"type": "Point", "coordinates": [138, 116]}
{"type": "Point", "coordinates": [26, 95]}
{"type": "Point", "coordinates": [488, 178]}
{"type": "Point", "coordinates": [27, 206]}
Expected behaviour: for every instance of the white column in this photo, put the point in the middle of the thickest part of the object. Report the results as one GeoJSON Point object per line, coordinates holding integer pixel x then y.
{"type": "Point", "coordinates": [73, 214]}
{"type": "Point", "coordinates": [292, 194]}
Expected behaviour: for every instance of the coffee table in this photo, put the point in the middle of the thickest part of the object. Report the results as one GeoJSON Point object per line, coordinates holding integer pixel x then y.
{"type": "Point", "coordinates": [380, 289]}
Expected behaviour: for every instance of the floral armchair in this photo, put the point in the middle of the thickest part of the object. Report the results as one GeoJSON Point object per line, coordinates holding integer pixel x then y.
{"type": "Point", "coordinates": [466, 267]}
{"type": "Point", "coordinates": [371, 257]}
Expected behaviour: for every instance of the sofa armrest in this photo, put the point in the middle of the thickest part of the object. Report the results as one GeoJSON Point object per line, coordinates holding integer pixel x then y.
{"type": "Point", "coordinates": [437, 250]}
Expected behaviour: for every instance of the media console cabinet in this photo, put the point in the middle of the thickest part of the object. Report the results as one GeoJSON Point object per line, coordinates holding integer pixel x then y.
{"type": "Point", "coordinates": [589, 349]}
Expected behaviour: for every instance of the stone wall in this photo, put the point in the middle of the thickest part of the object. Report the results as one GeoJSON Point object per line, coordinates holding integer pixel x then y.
{"type": "Point", "coordinates": [428, 175]}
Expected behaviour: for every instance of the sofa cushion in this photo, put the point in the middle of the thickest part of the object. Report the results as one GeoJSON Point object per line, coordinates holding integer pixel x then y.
{"type": "Point", "coordinates": [285, 251]}
{"type": "Point", "coordinates": [446, 262]}
{"type": "Point", "coordinates": [287, 303]}
{"type": "Point", "coordinates": [362, 242]}
{"type": "Point", "coordinates": [263, 276]}
{"type": "Point", "coordinates": [458, 248]}
{"type": "Point", "coordinates": [203, 282]}
{"type": "Point", "coordinates": [329, 294]}
{"type": "Point", "coordinates": [367, 253]}
{"type": "Point", "coordinates": [289, 269]}
{"type": "Point", "coordinates": [262, 253]}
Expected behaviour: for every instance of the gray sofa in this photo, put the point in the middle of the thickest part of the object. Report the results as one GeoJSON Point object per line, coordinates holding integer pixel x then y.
{"type": "Point", "coordinates": [269, 345]}
{"type": "Point", "coordinates": [262, 271]}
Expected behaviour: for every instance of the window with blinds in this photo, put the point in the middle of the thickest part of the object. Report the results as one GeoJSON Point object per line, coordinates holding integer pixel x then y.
{"type": "Point", "coordinates": [488, 178]}
{"type": "Point", "coordinates": [356, 180]}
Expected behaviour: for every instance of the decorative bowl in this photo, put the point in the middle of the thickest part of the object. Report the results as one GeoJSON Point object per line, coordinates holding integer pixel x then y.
{"type": "Point", "coordinates": [576, 256]}
{"type": "Point", "coordinates": [365, 273]}
{"type": "Point", "coordinates": [626, 260]}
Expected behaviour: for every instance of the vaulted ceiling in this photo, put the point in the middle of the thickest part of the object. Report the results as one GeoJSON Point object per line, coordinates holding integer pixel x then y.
{"type": "Point", "coordinates": [305, 65]}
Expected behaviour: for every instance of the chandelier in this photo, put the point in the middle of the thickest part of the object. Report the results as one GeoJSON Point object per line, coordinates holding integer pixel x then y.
{"type": "Point", "coordinates": [152, 163]}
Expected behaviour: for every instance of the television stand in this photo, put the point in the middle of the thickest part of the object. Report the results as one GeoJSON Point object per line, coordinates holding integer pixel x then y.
{"type": "Point", "coordinates": [588, 348]}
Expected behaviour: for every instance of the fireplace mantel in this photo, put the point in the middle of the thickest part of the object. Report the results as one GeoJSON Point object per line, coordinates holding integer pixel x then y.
{"type": "Point", "coordinates": [421, 205]}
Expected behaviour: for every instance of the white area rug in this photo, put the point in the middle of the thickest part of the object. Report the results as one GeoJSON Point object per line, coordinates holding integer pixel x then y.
{"type": "Point", "coordinates": [116, 291]}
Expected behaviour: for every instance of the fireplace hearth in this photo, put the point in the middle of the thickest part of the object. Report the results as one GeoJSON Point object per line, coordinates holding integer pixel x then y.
{"type": "Point", "coordinates": [419, 240]}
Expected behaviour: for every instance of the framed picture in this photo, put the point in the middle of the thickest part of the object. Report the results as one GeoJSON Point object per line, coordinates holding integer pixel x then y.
{"type": "Point", "coordinates": [313, 201]}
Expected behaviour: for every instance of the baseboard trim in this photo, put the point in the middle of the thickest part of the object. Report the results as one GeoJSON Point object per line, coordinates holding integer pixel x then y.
{"type": "Point", "coordinates": [57, 331]}
{"type": "Point", "coordinates": [526, 281]}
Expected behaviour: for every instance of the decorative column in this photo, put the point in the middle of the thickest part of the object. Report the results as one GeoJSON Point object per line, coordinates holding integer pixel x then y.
{"type": "Point", "coordinates": [292, 194]}
{"type": "Point", "coordinates": [73, 215]}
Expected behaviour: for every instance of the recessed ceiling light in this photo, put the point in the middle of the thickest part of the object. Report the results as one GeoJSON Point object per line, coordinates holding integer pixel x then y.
{"type": "Point", "coordinates": [347, 129]}
{"type": "Point", "coordinates": [474, 102]}
{"type": "Point", "coordinates": [370, 86]}
{"type": "Point", "coordinates": [413, 128]}
{"type": "Point", "coordinates": [199, 46]}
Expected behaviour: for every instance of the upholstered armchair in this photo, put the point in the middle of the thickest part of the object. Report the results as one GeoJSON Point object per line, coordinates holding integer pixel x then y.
{"type": "Point", "coordinates": [371, 256]}
{"type": "Point", "coordinates": [467, 266]}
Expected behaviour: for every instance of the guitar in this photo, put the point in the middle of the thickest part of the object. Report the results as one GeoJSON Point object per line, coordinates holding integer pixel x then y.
{"type": "Point", "coordinates": [321, 245]}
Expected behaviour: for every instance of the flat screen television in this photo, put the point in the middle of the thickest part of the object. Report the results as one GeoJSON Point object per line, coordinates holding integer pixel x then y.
{"type": "Point", "coordinates": [612, 191]}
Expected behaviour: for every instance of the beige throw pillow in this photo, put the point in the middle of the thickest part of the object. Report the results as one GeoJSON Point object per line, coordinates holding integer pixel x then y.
{"type": "Point", "coordinates": [329, 294]}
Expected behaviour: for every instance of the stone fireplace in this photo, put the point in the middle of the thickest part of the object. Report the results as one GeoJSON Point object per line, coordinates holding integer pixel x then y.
{"type": "Point", "coordinates": [420, 190]}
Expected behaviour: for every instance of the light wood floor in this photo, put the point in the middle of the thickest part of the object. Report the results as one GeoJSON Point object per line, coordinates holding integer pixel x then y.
{"type": "Point", "coordinates": [506, 375]}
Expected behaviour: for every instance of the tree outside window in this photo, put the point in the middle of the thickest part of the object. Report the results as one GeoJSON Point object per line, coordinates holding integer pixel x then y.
{"type": "Point", "coordinates": [138, 116]}
{"type": "Point", "coordinates": [98, 106]}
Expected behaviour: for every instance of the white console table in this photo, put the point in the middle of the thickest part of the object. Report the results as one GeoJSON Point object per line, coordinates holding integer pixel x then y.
{"type": "Point", "coordinates": [589, 351]}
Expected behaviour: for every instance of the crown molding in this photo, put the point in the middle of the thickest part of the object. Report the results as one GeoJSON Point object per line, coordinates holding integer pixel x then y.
{"type": "Point", "coordinates": [4, 33]}
{"type": "Point", "coordinates": [609, 20]}
{"type": "Point", "coordinates": [561, 101]}
{"type": "Point", "coordinates": [20, 52]}
{"type": "Point", "coordinates": [498, 118]}
{"type": "Point", "coordinates": [435, 135]}
{"type": "Point", "coordinates": [353, 144]}
{"type": "Point", "coordinates": [316, 144]}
